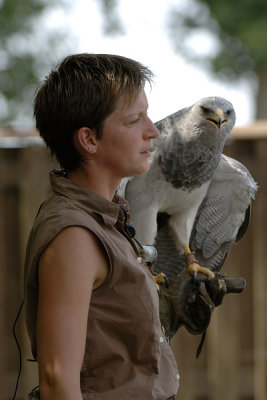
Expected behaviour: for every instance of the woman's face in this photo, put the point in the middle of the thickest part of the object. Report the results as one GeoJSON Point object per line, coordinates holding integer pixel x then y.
{"type": "Point", "coordinates": [126, 141]}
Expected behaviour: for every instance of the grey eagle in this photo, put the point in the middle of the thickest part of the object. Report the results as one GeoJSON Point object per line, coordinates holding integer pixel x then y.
{"type": "Point", "coordinates": [202, 196]}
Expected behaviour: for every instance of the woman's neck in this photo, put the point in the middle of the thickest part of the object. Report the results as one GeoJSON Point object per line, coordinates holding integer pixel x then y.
{"type": "Point", "coordinates": [95, 182]}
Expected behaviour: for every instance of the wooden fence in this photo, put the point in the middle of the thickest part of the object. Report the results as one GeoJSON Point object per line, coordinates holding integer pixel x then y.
{"type": "Point", "coordinates": [233, 362]}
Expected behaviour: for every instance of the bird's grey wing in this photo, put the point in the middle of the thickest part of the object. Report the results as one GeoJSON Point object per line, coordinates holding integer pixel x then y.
{"type": "Point", "coordinates": [223, 216]}
{"type": "Point", "coordinates": [166, 124]}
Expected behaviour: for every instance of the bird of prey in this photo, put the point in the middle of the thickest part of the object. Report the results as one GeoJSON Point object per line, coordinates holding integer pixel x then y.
{"type": "Point", "coordinates": [203, 195]}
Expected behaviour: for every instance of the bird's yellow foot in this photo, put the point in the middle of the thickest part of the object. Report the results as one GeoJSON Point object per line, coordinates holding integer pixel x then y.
{"type": "Point", "coordinates": [194, 268]}
{"type": "Point", "coordinates": [192, 265]}
{"type": "Point", "coordinates": [160, 278]}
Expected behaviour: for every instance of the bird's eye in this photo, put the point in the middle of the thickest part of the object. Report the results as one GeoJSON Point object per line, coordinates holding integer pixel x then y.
{"type": "Point", "coordinates": [228, 112]}
{"type": "Point", "coordinates": [205, 109]}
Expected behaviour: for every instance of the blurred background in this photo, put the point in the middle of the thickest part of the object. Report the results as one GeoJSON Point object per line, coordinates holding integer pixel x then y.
{"type": "Point", "coordinates": [196, 48]}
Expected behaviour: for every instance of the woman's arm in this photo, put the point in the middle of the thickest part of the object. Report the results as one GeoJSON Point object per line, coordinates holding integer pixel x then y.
{"type": "Point", "coordinates": [69, 269]}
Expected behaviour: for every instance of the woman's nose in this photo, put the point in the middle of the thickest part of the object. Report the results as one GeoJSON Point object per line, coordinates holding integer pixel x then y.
{"type": "Point", "coordinates": [152, 131]}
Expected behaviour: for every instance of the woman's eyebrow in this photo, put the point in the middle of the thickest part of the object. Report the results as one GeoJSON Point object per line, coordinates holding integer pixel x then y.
{"type": "Point", "coordinates": [137, 112]}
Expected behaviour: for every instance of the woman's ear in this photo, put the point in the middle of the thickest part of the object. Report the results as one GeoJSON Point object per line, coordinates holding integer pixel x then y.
{"type": "Point", "coordinates": [85, 140]}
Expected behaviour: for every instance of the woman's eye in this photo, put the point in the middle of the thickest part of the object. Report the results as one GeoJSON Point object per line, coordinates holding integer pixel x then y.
{"type": "Point", "coordinates": [134, 121]}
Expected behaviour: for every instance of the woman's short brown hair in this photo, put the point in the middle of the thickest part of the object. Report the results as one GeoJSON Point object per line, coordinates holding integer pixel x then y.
{"type": "Point", "coordinates": [82, 91]}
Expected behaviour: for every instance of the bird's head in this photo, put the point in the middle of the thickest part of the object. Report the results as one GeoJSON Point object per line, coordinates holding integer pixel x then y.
{"type": "Point", "coordinates": [210, 120]}
{"type": "Point", "coordinates": [215, 112]}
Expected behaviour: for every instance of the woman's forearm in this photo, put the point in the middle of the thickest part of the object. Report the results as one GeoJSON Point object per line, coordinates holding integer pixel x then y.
{"type": "Point", "coordinates": [58, 392]}
{"type": "Point", "coordinates": [56, 388]}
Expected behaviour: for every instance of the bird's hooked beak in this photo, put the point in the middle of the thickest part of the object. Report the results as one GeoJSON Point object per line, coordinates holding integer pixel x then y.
{"type": "Point", "coordinates": [218, 118]}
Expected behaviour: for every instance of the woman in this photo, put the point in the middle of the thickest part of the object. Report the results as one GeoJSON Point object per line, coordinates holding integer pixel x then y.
{"type": "Point", "coordinates": [91, 304]}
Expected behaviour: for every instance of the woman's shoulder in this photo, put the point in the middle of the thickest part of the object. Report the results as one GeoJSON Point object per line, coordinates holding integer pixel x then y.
{"type": "Point", "coordinates": [59, 212]}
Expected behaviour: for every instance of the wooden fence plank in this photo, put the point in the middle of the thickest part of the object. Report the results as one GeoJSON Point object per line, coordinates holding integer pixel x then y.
{"type": "Point", "coordinates": [33, 189]}
{"type": "Point", "coordinates": [259, 280]}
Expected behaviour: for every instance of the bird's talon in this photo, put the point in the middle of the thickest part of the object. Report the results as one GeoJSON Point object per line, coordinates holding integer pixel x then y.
{"type": "Point", "coordinates": [166, 281]}
{"type": "Point", "coordinates": [161, 278]}
{"type": "Point", "coordinates": [194, 274]}
{"type": "Point", "coordinates": [193, 267]}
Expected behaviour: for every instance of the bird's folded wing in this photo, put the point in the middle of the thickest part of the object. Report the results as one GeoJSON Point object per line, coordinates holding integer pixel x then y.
{"type": "Point", "coordinates": [223, 212]}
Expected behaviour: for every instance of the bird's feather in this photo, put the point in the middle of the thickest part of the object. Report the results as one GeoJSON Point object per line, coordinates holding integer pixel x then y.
{"type": "Point", "coordinates": [223, 212]}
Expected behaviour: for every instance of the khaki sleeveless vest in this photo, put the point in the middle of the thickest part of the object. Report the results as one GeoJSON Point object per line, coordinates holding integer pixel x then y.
{"type": "Point", "coordinates": [126, 355]}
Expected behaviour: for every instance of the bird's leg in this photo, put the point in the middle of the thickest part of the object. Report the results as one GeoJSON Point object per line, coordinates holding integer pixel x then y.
{"type": "Point", "coordinates": [149, 256]}
{"type": "Point", "coordinates": [192, 265]}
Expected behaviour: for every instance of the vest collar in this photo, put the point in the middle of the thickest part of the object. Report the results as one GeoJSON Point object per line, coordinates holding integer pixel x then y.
{"type": "Point", "coordinates": [110, 211]}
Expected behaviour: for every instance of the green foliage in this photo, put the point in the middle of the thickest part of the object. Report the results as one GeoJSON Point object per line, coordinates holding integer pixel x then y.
{"type": "Point", "coordinates": [28, 51]}
{"type": "Point", "coordinates": [15, 14]}
{"type": "Point", "coordinates": [112, 23]}
{"type": "Point", "coordinates": [239, 26]}
{"type": "Point", "coordinates": [25, 53]}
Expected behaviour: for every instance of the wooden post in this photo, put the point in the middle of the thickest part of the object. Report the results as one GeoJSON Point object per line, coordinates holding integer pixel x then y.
{"type": "Point", "coordinates": [3, 277]}
{"type": "Point", "coordinates": [193, 375]}
{"type": "Point", "coordinates": [259, 278]}
{"type": "Point", "coordinates": [33, 188]}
